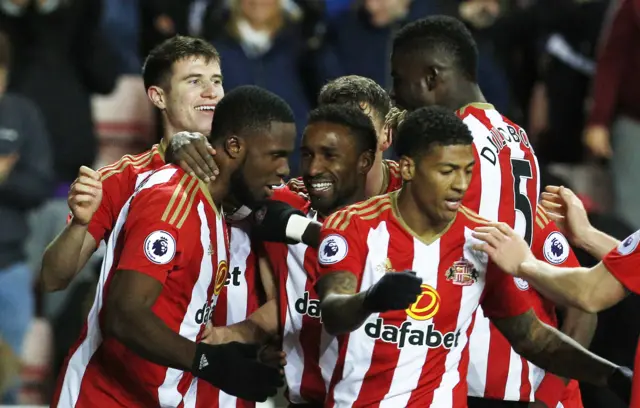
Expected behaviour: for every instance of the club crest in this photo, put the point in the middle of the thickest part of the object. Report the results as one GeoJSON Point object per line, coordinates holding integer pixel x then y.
{"type": "Point", "coordinates": [462, 273]}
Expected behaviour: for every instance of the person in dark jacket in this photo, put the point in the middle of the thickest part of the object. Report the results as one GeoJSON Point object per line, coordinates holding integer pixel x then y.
{"type": "Point", "coordinates": [359, 40]}
{"type": "Point", "coordinates": [262, 45]}
{"type": "Point", "coordinates": [25, 181]}
{"type": "Point", "coordinates": [60, 60]}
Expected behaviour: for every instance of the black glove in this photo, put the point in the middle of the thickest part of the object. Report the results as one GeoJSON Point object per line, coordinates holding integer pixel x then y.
{"type": "Point", "coordinates": [234, 368]}
{"type": "Point", "coordinates": [274, 219]}
{"type": "Point", "coordinates": [620, 383]}
{"type": "Point", "coordinates": [394, 291]}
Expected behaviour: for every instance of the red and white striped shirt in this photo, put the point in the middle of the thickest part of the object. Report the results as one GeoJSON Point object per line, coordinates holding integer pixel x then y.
{"type": "Point", "coordinates": [311, 351]}
{"type": "Point", "coordinates": [504, 187]}
{"type": "Point", "coordinates": [170, 230]}
{"type": "Point", "coordinates": [417, 357]}
{"type": "Point", "coordinates": [240, 296]}
{"type": "Point", "coordinates": [243, 289]}
{"type": "Point", "coordinates": [119, 181]}
{"type": "Point", "coordinates": [496, 371]}
{"type": "Point", "coordinates": [623, 263]}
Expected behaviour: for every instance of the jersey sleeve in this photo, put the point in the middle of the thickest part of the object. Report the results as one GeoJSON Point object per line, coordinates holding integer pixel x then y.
{"type": "Point", "coordinates": [105, 216]}
{"type": "Point", "coordinates": [116, 190]}
{"type": "Point", "coordinates": [622, 262]}
{"type": "Point", "coordinates": [342, 246]}
{"type": "Point", "coordinates": [549, 244]}
{"type": "Point", "coordinates": [153, 244]}
{"type": "Point", "coordinates": [504, 296]}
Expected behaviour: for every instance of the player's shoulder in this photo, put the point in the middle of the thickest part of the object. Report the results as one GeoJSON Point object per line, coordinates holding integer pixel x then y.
{"type": "Point", "coordinates": [366, 212]}
{"type": "Point", "coordinates": [470, 218]}
{"type": "Point", "coordinates": [168, 193]}
{"type": "Point", "coordinates": [130, 166]}
{"type": "Point", "coordinates": [542, 218]}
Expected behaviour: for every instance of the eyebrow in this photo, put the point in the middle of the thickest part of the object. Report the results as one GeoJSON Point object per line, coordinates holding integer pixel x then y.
{"type": "Point", "coordinates": [456, 166]}
{"type": "Point", "coordinates": [218, 76]}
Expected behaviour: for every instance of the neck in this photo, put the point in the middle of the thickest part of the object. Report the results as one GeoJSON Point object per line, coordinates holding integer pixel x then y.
{"type": "Point", "coordinates": [220, 188]}
{"type": "Point", "coordinates": [466, 93]}
{"type": "Point", "coordinates": [375, 178]}
{"type": "Point", "coordinates": [169, 129]}
{"type": "Point", "coordinates": [416, 218]}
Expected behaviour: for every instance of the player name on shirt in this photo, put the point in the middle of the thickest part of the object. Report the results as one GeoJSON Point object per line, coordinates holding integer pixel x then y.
{"type": "Point", "coordinates": [500, 135]}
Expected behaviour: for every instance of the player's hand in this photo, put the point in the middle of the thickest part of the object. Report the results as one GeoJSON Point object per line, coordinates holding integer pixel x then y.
{"type": "Point", "coordinates": [276, 221]}
{"type": "Point", "coordinates": [505, 248]}
{"type": "Point", "coordinates": [394, 291]}
{"type": "Point", "coordinates": [598, 141]}
{"type": "Point", "coordinates": [192, 152]}
{"type": "Point", "coordinates": [85, 195]}
{"type": "Point", "coordinates": [273, 356]}
{"type": "Point", "coordinates": [567, 211]}
{"type": "Point", "coordinates": [235, 369]}
{"type": "Point", "coordinates": [620, 383]}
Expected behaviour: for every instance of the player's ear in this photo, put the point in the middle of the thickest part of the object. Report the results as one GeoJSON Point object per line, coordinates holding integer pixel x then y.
{"type": "Point", "coordinates": [407, 168]}
{"type": "Point", "coordinates": [431, 77]}
{"type": "Point", "coordinates": [234, 146]}
{"type": "Point", "coordinates": [366, 162]}
{"type": "Point", "coordinates": [157, 97]}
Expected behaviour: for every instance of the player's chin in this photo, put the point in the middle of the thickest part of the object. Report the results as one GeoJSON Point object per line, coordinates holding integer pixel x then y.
{"type": "Point", "coordinates": [321, 202]}
{"type": "Point", "coordinates": [448, 214]}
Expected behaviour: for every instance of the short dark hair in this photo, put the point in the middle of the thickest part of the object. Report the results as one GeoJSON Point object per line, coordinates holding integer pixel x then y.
{"type": "Point", "coordinates": [441, 34]}
{"type": "Point", "coordinates": [354, 90]}
{"type": "Point", "coordinates": [247, 109]}
{"type": "Point", "coordinates": [427, 127]}
{"type": "Point", "coordinates": [359, 124]}
{"type": "Point", "coordinates": [158, 65]}
{"type": "Point", "coordinates": [5, 50]}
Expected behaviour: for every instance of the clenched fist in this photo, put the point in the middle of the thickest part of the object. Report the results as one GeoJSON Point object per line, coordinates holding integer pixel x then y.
{"type": "Point", "coordinates": [85, 195]}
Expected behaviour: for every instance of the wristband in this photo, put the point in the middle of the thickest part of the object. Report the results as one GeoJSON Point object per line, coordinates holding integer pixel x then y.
{"type": "Point", "coordinates": [296, 226]}
{"type": "Point", "coordinates": [550, 390]}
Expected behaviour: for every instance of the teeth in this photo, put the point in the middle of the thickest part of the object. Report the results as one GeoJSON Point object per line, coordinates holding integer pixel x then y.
{"type": "Point", "coordinates": [205, 108]}
{"type": "Point", "coordinates": [321, 186]}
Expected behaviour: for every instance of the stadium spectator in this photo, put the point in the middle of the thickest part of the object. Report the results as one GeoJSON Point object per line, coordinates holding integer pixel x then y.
{"type": "Point", "coordinates": [120, 25]}
{"type": "Point", "coordinates": [25, 181]}
{"type": "Point", "coordinates": [262, 42]}
{"type": "Point", "coordinates": [614, 122]}
{"type": "Point", "coordinates": [359, 40]}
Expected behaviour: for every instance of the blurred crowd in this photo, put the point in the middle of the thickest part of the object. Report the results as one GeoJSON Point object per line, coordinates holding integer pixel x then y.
{"type": "Point", "coordinates": [566, 70]}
